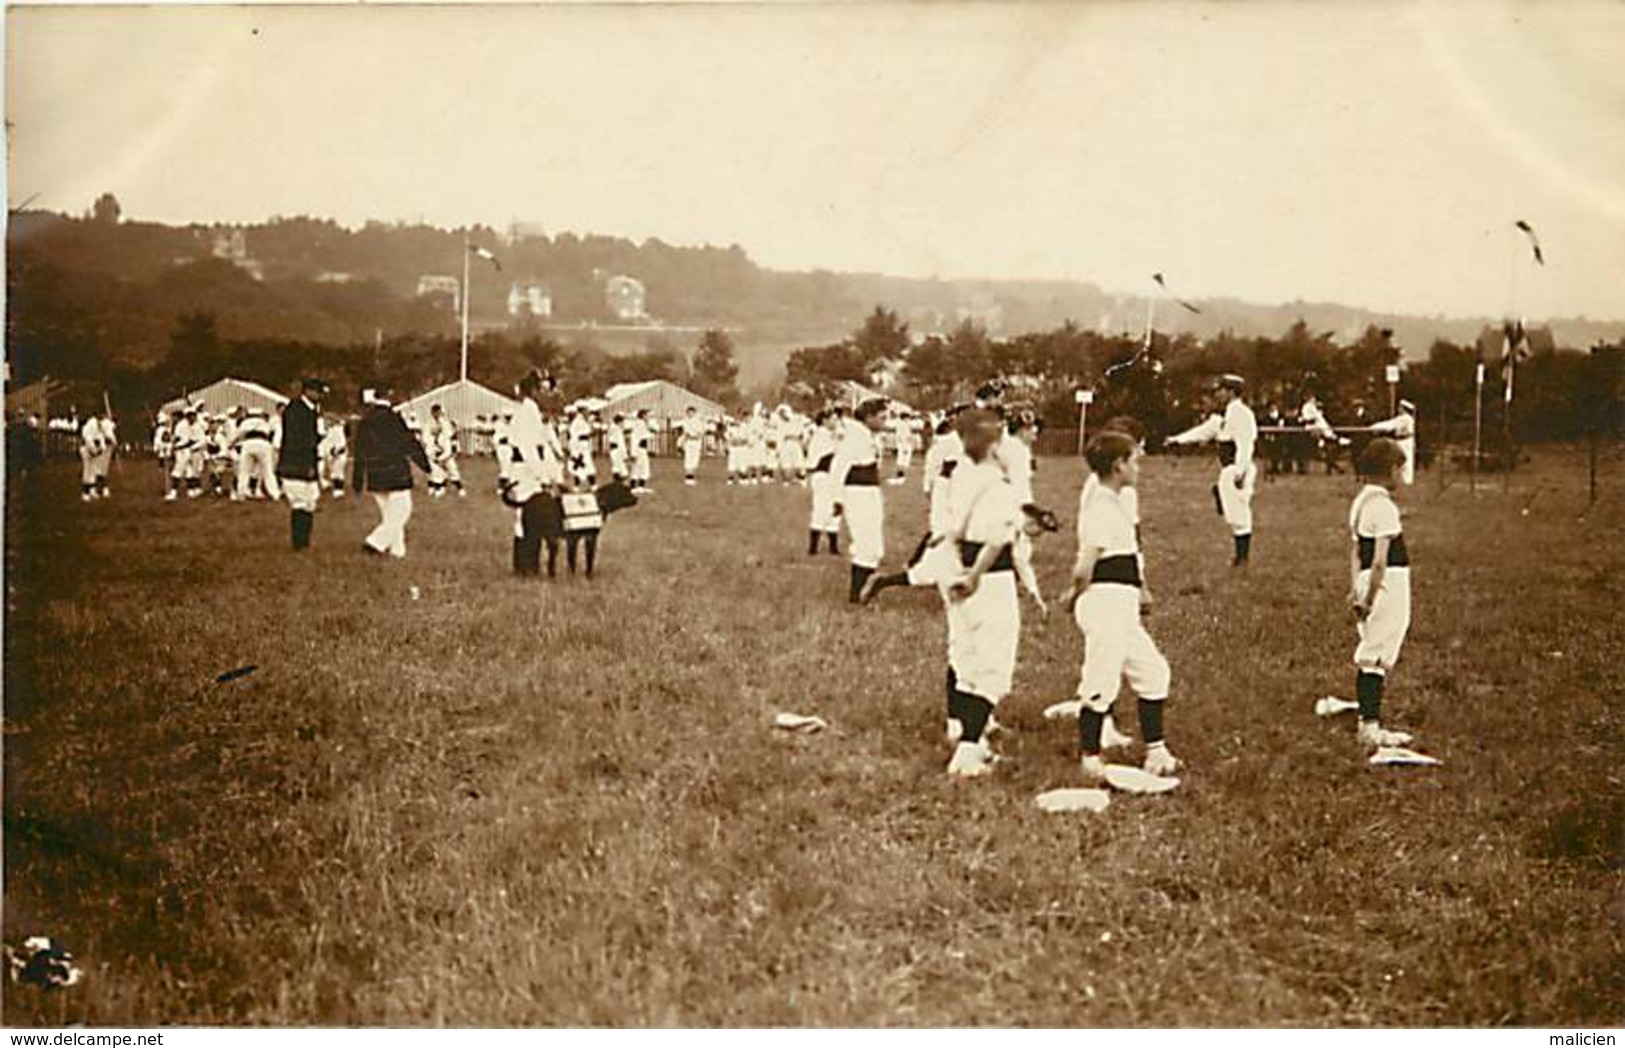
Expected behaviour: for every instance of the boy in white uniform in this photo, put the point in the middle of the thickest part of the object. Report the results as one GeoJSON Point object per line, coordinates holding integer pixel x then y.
{"type": "Point", "coordinates": [984, 613]}
{"type": "Point", "coordinates": [1402, 427]}
{"type": "Point", "coordinates": [822, 521]}
{"type": "Point", "coordinates": [440, 441]}
{"type": "Point", "coordinates": [187, 471]}
{"type": "Point", "coordinates": [583, 462]}
{"type": "Point", "coordinates": [733, 436]}
{"type": "Point", "coordinates": [256, 473]}
{"type": "Point", "coordinates": [1236, 433]}
{"type": "Point", "coordinates": [1107, 597]}
{"type": "Point", "coordinates": [640, 436]}
{"type": "Point", "coordinates": [792, 454]}
{"type": "Point", "coordinates": [1379, 584]}
{"type": "Point", "coordinates": [905, 438]}
{"type": "Point", "coordinates": [335, 452]}
{"type": "Point", "coordinates": [691, 435]}
{"type": "Point", "coordinates": [616, 439]}
{"type": "Point", "coordinates": [855, 482]}
{"type": "Point", "coordinates": [95, 452]}
{"type": "Point", "coordinates": [1111, 737]}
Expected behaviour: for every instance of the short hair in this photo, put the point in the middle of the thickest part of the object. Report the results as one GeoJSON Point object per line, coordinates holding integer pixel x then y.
{"type": "Point", "coordinates": [1107, 448]}
{"type": "Point", "coordinates": [1125, 424]}
{"type": "Point", "coordinates": [974, 419]}
{"type": "Point", "coordinates": [1379, 457]}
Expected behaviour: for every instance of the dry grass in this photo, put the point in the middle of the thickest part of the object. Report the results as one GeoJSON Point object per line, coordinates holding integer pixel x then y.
{"type": "Point", "coordinates": [562, 803]}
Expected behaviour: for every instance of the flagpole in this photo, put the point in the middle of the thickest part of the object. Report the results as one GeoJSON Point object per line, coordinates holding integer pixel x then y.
{"type": "Point", "coordinates": [1150, 320]}
{"type": "Point", "coordinates": [1478, 422]}
{"type": "Point", "coordinates": [462, 371]}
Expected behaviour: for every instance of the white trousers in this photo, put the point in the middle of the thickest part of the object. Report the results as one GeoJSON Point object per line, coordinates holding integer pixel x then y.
{"type": "Point", "coordinates": [791, 457]}
{"type": "Point", "coordinates": [394, 510]}
{"type": "Point", "coordinates": [188, 464]}
{"type": "Point", "coordinates": [984, 631]}
{"type": "Point", "coordinates": [905, 457]}
{"type": "Point", "coordinates": [338, 470]}
{"type": "Point", "coordinates": [1237, 503]}
{"type": "Point", "coordinates": [443, 471]}
{"type": "Point", "coordinates": [617, 461]}
{"type": "Point", "coordinates": [1382, 633]}
{"type": "Point", "coordinates": [93, 466]}
{"type": "Point", "coordinates": [640, 465]}
{"type": "Point", "coordinates": [1115, 646]}
{"type": "Point", "coordinates": [865, 524]}
{"type": "Point", "coordinates": [691, 456]}
{"type": "Point", "coordinates": [255, 461]}
{"type": "Point", "coordinates": [938, 566]}
{"type": "Point", "coordinates": [823, 504]}
{"type": "Point", "coordinates": [302, 494]}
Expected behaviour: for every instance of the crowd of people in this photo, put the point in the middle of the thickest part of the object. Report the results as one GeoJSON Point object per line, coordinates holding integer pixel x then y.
{"type": "Point", "coordinates": [975, 549]}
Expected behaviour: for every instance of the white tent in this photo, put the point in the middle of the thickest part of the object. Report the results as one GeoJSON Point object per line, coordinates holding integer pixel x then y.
{"type": "Point", "coordinates": [463, 402]}
{"type": "Point", "coordinates": [665, 401]}
{"type": "Point", "coordinates": [850, 394]}
{"type": "Point", "coordinates": [227, 393]}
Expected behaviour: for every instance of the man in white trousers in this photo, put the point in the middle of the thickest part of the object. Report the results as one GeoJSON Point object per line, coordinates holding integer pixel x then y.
{"type": "Point", "coordinates": [256, 473]}
{"type": "Point", "coordinates": [855, 480]}
{"type": "Point", "coordinates": [1235, 431]}
{"type": "Point", "coordinates": [1402, 428]}
{"type": "Point", "coordinates": [691, 435]}
{"type": "Point", "coordinates": [385, 452]}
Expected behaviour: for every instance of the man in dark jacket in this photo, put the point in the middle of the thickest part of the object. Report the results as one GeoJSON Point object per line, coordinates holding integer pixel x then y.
{"type": "Point", "coordinates": [385, 451]}
{"type": "Point", "coordinates": [296, 463]}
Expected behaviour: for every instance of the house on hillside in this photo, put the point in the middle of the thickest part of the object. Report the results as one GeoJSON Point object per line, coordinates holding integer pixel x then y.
{"type": "Point", "coordinates": [435, 285]}
{"type": "Point", "coordinates": [231, 245]}
{"type": "Point", "coordinates": [627, 298]}
{"type": "Point", "coordinates": [530, 300]}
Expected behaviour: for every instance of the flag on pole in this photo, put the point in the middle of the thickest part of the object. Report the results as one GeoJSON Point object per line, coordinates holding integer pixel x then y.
{"type": "Point", "coordinates": [1534, 241]}
{"type": "Point", "coordinates": [1164, 285]}
{"type": "Point", "coordinates": [488, 256]}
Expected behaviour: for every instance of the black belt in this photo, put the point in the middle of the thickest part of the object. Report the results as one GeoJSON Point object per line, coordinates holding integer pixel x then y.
{"type": "Point", "coordinates": [948, 467]}
{"type": "Point", "coordinates": [1227, 453]}
{"type": "Point", "coordinates": [864, 476]}
{"type": "Point", "coordinates": [1123, 569]}
{"type": "Point", "coordinates": [1397, 556]}
{"type": "Point", "coordinates": [824, 463]}
{"type": "Point", "coordinates": [969, 551]}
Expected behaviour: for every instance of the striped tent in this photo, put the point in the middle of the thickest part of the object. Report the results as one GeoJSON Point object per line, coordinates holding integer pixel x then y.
{"type": "Point", "coordinates": [227, 393]}
{"type": "Point", "coordinates": [850, 394]}
{"type": "Point", "coordinates": [463, 401]}
{"type": "Point", "coordinates": [665, 401]}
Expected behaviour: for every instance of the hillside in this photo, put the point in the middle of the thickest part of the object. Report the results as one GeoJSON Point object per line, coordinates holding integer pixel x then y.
{"type": "Point", "coordinates": [115, 289]}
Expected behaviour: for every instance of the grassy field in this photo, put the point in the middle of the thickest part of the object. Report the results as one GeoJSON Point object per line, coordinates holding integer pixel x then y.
{"type": "Point", "coordinates": [563, 803]}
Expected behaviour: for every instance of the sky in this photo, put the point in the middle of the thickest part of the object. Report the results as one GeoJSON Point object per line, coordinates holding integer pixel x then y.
{"type": "Point", "coordinates": [1375, 154]}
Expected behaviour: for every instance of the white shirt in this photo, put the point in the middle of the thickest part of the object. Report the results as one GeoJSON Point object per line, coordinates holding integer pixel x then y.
{"type": "Point", "coordinates": [1129, 497]}
{"type": "Point", "coordinates": [91, 435]}
{"type": "Point", "coordinates": [983, 506]}
{"type": "Point", "coordinates": [1105, 523]}
{"type": "Point", "coordinates": [946, 448]}
{"type": "Point", "coordinates": [1241, 427]}
{"type": "Point", "coordinates": [1017, 459]}
{"type": "Point", "coordinates": [693, 429]}
{"type": "Point", "coordinates": [856, 449]}
{"type": "Point", "coordinates": [1374, 514]}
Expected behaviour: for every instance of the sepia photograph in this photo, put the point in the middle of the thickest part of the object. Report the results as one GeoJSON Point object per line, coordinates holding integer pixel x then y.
{"type": "Point", "coordinates": [645, 516]}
